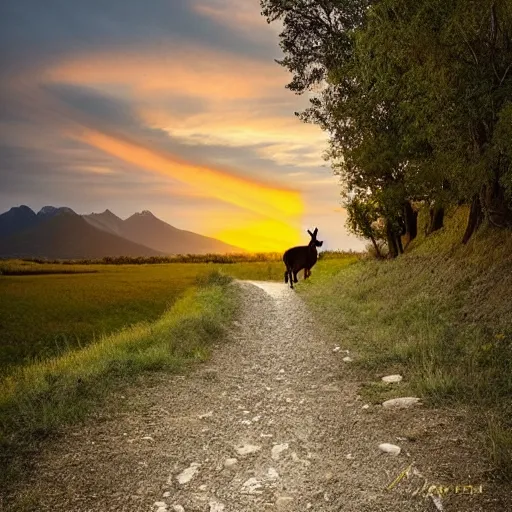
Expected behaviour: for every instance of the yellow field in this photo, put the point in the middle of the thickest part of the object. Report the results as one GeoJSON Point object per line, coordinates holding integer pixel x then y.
{"type": "Point", "coordinates": [49, 308]}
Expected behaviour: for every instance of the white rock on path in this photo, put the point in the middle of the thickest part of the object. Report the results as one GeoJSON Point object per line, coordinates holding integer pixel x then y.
{"type": "Point", "coordinates": [347, 359]}
{"type": "Point", "coordinates": [178, 508]}
{"type": "Point", "coordinates": [229, 463]}
{"type": "Point", "coordinates": [272, 474]}
{"type": "Point", "coordinates": [186, 475]}
{"type": "Point", "coordinates": [215, 506]}
{"type": "Point", "coordinates": [161, 506]}
{"type": "Point", "coordinates": [246, 449]}
{"type": "Point", "coordinates": [391, 379]}
{"type": "Point", "coordinates": [252, 486]}
{"type": "Point", "coordinates": [392, 449]}
{"type": "Point", "coordinates": [278, 449]}
{"type": "Point", "coordinates": [398, 403]}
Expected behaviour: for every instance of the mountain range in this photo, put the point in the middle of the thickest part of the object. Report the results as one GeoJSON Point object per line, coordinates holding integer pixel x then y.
{"type": "Point", "coordinates": [60, 233]}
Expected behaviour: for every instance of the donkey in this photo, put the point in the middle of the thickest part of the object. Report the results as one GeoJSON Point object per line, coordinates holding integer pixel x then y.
{"type": "Point", "coordinates": [302, 257]}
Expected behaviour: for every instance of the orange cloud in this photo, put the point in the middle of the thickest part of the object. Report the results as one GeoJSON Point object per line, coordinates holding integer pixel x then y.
{"type": "Point", "coordinates": [220, 81]}
{"type": "Point", "coordinates": [236, 128]}
{"type": "Point", "coordinates": [196, 70]}
{"type": "Point", "coordinates": [280, 207]}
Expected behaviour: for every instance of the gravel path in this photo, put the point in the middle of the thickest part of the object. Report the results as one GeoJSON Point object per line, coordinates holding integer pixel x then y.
{"type": "Point", "coordinates": [271, 422]}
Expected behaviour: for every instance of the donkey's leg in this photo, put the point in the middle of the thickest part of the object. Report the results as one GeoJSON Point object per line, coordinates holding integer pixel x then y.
{"type": "Point", "coordinates": [295, 280]}
{"type": "Point", "coordinates": [290, 277]}
{"type": "Point", "coordinates": [286, 276]}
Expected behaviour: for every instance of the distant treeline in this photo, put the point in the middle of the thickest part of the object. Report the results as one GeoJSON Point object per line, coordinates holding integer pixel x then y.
{"type": "Point", "coordinates": [416, 96]}
{"type": "Point", "coordinates": [22, 266]}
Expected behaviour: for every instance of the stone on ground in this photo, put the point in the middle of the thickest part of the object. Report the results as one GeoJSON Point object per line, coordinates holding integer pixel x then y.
{"type": "Point", "coordinates": [252, 486]}
{"type": "Point", "coordinates": [391, 379]}
{"type": "Point", "coordinates": [398, 403]}
{"type": "Point", "coordinates": [272, 474]}
{"type": "Point", "coordinates": [392, 449]}
{"type": "Point", "coordinates": [186, 475]}
{"type": "Point", "coordinates": [278, 449]}
{"type": "Point", "coordinates": [246, 449]}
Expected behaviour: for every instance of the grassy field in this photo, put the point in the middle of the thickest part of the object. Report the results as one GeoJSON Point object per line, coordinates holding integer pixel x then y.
{"type": "Point", "coordinates": [47, 309]}
{"type": "Point", "coordinates": [441, 316]}
{"type": "Point", "coordinates": [36, 399]}
{"type": "Point", "coordinates": [46, 312]}
{"type": "Point", "coordinates": [46, 315]}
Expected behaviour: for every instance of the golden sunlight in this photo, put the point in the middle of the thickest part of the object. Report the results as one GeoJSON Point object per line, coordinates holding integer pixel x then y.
{"type": "Point", "coordinates": [279, 208]}
{"type": "Point", "coordinates": [266, 235]}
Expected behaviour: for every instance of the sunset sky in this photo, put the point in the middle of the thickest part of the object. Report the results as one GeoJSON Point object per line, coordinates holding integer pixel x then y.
{"type": "Point", "coordinates": [173, 106]}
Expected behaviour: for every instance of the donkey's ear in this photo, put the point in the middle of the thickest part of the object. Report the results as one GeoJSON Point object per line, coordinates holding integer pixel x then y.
{"type": "Point", "coordinates": [315, 232]}
{"type": "Point", "coordinates": [310, 234]}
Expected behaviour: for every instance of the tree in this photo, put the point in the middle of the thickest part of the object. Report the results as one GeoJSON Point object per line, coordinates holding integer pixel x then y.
{"type": "Point", "coordinates": [316, 36]}
{"type": "Point", "coordinates": [363, 216]}
{"type": "Point", "coordinates": [456, 59]}
{"type": "Point", "coordinates": [320, 50]}
{"type": "Point", "coordinates": [416, 97]}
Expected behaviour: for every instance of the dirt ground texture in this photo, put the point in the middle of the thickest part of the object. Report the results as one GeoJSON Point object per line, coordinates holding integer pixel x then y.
{"type": "Point", "coordinates": [273, 421]}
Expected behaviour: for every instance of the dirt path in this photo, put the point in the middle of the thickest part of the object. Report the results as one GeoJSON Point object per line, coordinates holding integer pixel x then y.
{"type": "Point", "coordinates": [278, 400]}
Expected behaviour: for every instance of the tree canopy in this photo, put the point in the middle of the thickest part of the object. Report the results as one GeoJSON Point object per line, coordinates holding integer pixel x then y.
{"type": "Point", "coordinates": [416, 96]}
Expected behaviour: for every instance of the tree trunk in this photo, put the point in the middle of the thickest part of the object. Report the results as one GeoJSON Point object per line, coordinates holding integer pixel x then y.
{"type": "Point", "coordinates": [375, 245]}
{"type": "Point", "coordinates": [495, 206]}
{"type": "Point", "coordinates": [391, 238]}
{"type": "Point", "coordinates": [475, 218]}
{"type": "Point", "coordinates": [492, 205]}
{"type": "Point", "coordinates": [399, 244]}
{"type": "Point", "coordinates": [411, 220]}
{"type": "Point", "coordinates": [436, 219]}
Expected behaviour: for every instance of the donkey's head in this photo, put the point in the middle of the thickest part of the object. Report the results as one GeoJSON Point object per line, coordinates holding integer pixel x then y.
{"type": "Point", "coordinates": [314, 242]}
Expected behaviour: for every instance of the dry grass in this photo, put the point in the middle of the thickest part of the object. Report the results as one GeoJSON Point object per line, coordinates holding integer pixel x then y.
{"type": "Point", "coordinates": [442, 316]}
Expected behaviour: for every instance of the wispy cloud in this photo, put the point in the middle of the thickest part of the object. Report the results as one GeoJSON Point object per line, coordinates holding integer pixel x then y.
{"type": "Point", "coordinates": [175, 106]}
{"type": "Point", "coordinates": [240, 191]}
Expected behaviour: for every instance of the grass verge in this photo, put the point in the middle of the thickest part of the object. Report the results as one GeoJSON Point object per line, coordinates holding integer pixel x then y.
{"type": "Point", "coordinates": [37, 399]}
{"type": "Point", "coordinates": [442, 317]}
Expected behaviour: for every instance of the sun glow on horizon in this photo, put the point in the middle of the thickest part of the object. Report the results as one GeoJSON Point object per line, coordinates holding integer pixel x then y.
{"type": "Point", "coordinates": [265, 235]}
